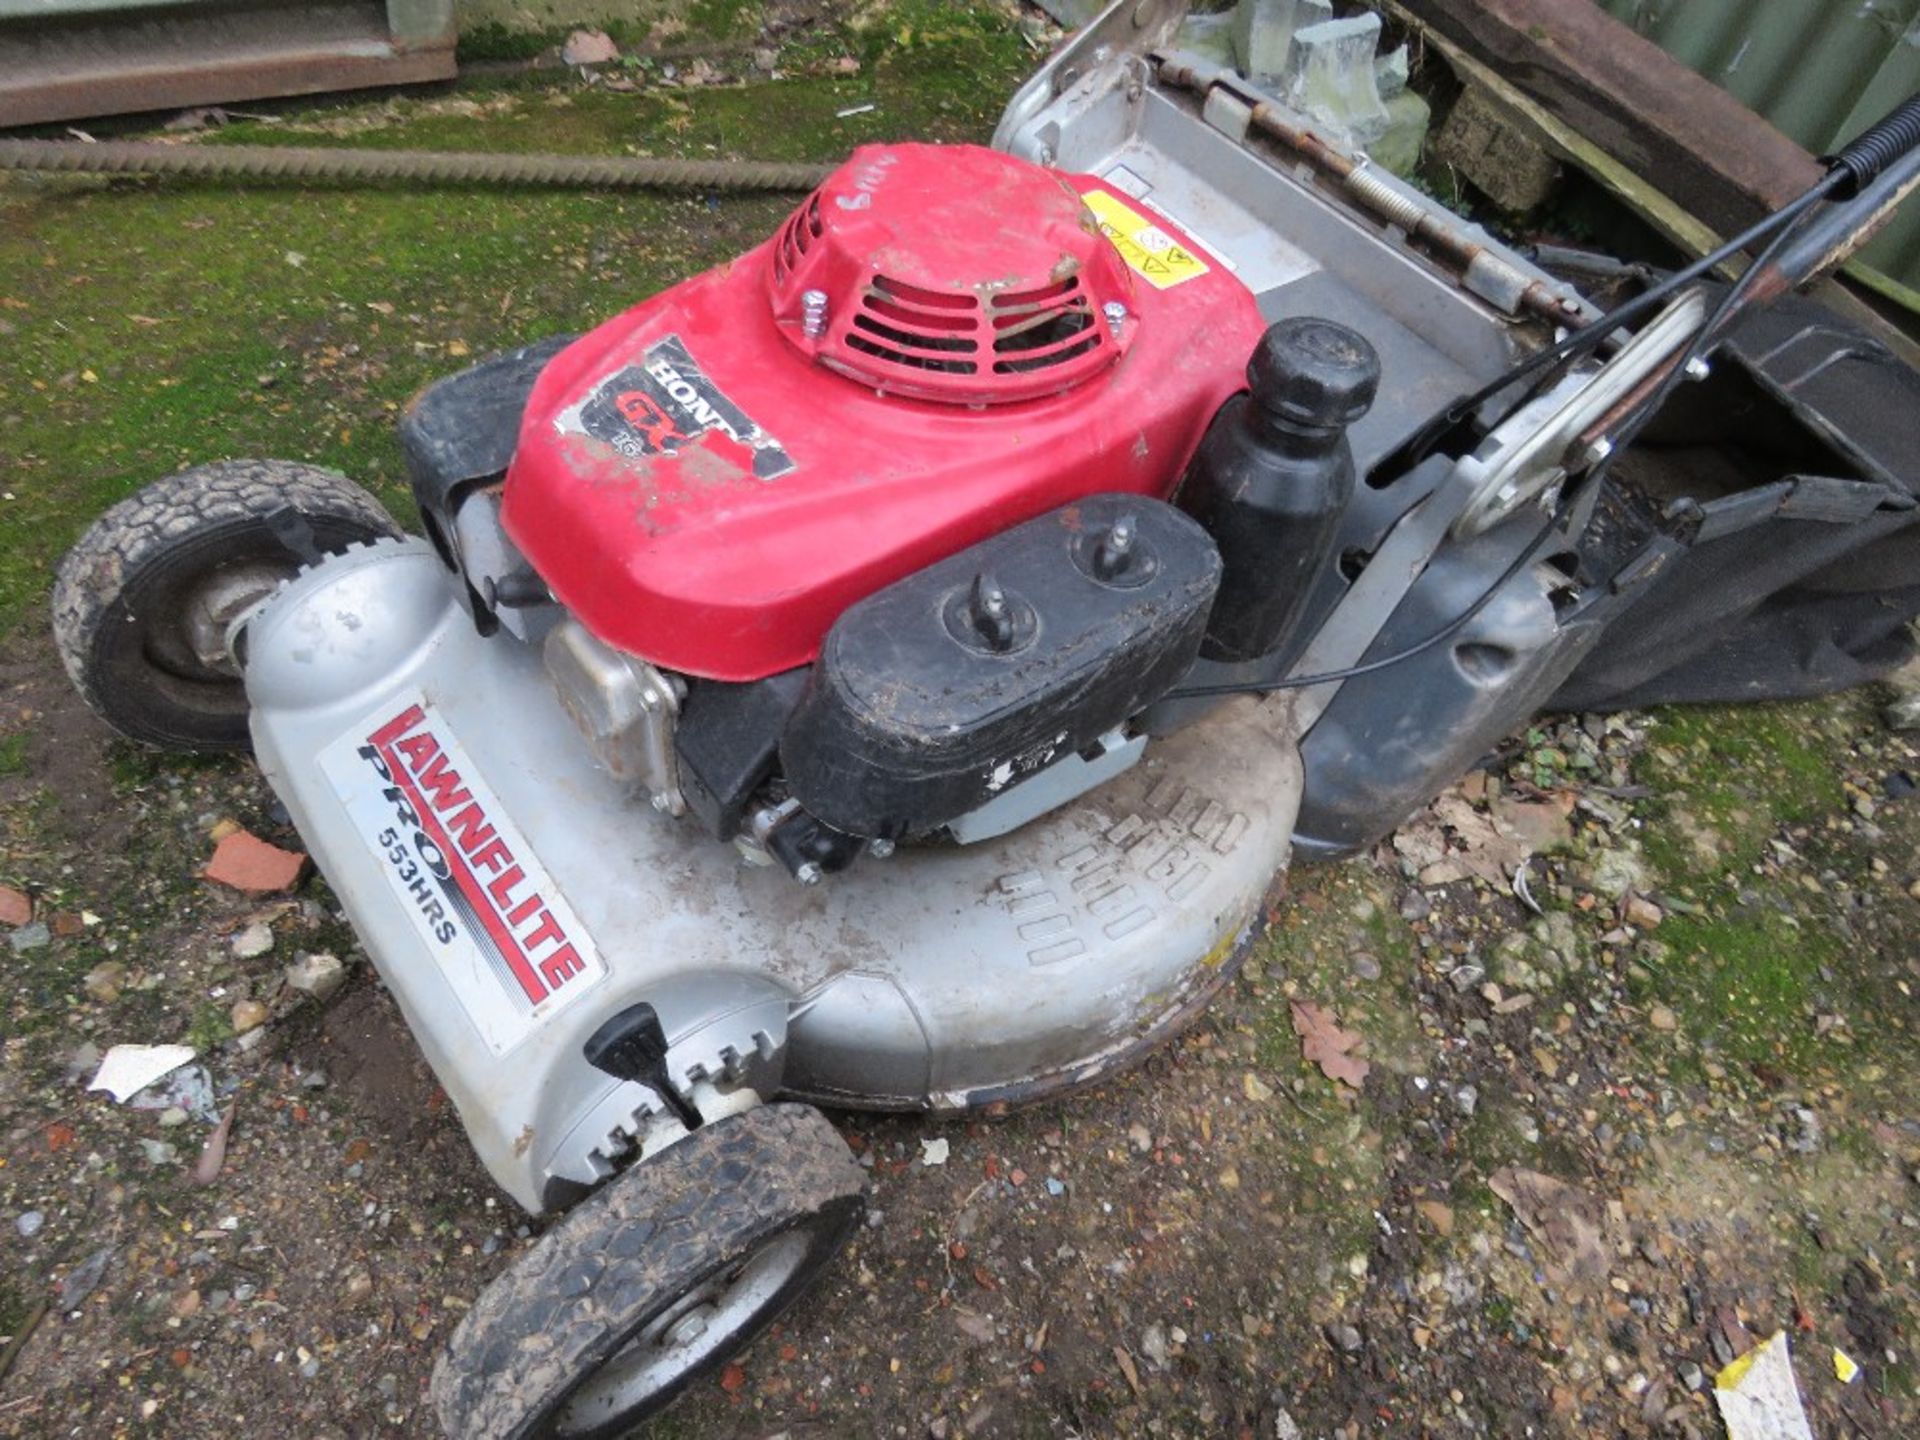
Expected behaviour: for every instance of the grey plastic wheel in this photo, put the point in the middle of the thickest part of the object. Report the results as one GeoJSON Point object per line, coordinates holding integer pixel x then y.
{"type": "Point", "coordinates": [653, 1281]}
{"type": "Point", "coordinates": [142, 603]}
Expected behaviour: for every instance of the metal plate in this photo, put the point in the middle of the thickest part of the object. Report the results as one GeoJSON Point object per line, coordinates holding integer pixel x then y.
{"type": "Point", "coordinates": [931, 979]}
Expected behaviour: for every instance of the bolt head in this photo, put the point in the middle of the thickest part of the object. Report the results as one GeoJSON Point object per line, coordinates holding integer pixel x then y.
{"type": "Point", "coordinates": [688, 1328]}
{"type": "Point", "coordinates": [808, 874]}
{"type": "Point", "coordinates": [813, 313]}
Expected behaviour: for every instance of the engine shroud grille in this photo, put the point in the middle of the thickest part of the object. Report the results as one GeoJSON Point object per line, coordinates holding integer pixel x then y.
{"type": "Point", "coordinates": [951, 273]}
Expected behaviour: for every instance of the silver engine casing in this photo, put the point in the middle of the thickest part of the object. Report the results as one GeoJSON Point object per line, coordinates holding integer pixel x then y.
{"type": "Point", "coordinates": [424, 764]}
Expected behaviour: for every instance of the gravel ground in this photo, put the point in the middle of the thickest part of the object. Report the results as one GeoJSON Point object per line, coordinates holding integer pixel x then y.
{"type": "Point", "coordinates": [1225, 1241]}
{"type": "Point", "coordinates": [1567, 1145]}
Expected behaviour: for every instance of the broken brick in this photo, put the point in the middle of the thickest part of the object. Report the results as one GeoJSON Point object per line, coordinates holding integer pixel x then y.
{"type": "Point", "coordinates": [243, 861]}
{"type": "Point", "coordinates": [15, 907]}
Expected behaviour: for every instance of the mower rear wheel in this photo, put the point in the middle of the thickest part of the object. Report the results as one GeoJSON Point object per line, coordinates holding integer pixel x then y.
{"type": "Point", "coordinates": [656, 1279]}
{"type": "Point", "coordinates": [142, 603]}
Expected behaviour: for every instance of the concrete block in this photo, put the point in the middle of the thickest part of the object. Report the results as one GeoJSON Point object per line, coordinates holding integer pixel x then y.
{"type": "Point", "coordinates": [1497, 157]}
{"type": "Point", "coordinates": [1263, 32]}
{"type": "Point", "coordinates": [1208, 36]}
{"type": "Point", "coordinates": [1330, 75]}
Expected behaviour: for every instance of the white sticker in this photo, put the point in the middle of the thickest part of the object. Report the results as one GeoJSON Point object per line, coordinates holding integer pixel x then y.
{"type": "Point", "coordinates": [1128, 182]}
{"type": "Point", "coordinates": [502, 934]}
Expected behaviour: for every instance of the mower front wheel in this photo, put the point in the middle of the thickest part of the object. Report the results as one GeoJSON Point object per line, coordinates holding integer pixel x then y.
{"type": "Point", "coordinates": [142, 602]}
{"type": "Point", "coordinates": [653, 1281]}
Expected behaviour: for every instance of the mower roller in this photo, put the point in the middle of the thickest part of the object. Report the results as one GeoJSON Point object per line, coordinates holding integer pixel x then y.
{"type": "Point", "coordinates": [876, 673]}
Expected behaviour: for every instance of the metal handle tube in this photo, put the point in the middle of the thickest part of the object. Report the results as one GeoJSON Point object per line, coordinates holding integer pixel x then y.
{"type": "Point", "coordinates": [1830, 238]}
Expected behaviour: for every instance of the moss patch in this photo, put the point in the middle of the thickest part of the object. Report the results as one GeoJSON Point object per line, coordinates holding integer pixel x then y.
{"type": "Point", "coordinates": [1744, 985]}
{"type": "Point", "coordinates": [1339, 943]}
{"type": "Point", "coordinates": [1729, 778]}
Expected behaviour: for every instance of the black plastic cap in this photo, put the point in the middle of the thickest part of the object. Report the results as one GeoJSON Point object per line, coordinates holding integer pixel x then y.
{"type": "Point", "coordinates": [1314, 372]}
{"type": "Point", "coordinates": [630, 1045]}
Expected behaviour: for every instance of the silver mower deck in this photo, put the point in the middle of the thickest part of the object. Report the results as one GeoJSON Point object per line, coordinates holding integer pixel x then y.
{"type": "Point", "coordinates": [513, 895]}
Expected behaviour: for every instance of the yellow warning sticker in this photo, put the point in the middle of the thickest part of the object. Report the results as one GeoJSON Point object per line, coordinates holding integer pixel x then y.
{"type": "Point", "coordinates": [1153, 254]}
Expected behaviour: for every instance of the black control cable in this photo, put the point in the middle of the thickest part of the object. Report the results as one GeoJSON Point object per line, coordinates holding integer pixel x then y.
{"type": "Point", "coordinates": [1561, 511]}
{"type": "Point", "coordinates": [1591, 337]}
{"type": "Point", "coordinates": [1453, 627]}
{"type": "Point", "coordinates": [1850, 171]}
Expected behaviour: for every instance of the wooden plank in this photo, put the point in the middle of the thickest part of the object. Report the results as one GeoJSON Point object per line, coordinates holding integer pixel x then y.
{"type": "Point", "coordinates": [160, 60]}
{"type": "Point", "coordinates": [46, 96]}
{"type": "Point", "coordinates": [1624, 94]}
{"type": "Point", "coordinates": [1562, 140]}
{"type": "Point", "coordinates": [1650, 204]}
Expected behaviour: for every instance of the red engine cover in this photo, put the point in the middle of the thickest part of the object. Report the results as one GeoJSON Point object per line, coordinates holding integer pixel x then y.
{"type": "Point", "coordinates": [709, 479]}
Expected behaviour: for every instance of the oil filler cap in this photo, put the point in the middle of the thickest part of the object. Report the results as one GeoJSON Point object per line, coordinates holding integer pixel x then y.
{"type": "Point", "coordinates": [1309, 371]}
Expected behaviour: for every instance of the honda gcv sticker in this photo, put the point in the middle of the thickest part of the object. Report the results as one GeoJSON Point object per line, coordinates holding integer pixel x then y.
{"type": "Point", "coordinates": [499, 929]}
{"type": "Point", "coordinates": [665, 404]}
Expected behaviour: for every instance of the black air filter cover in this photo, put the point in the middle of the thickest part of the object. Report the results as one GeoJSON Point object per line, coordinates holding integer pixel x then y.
{"type": "Point", "coordinates": [929, 699]}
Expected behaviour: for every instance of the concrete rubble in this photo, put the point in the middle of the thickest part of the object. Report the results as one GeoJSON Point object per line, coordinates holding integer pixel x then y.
{"type": "Point", "coordinates": [1328, 69]}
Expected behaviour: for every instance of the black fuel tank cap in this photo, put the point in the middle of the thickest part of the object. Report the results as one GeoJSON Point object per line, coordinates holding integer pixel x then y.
{"type": "Point", "coordinates": [1311, 371]}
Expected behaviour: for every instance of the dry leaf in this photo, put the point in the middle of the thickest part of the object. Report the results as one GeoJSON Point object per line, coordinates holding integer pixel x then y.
{"type": "Point", "coordinates": [1567, 1222]}
{"type": "Point", "coordinates": [1324, 1043]}
{"type": "Point", "coordinates": [1451, 840]}
{"type": "Point", "coordinates": [1534, 825]}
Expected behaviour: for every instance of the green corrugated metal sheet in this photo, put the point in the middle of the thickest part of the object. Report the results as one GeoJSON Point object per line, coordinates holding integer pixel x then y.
{"type": "Point", "coordinates": [1820, 70]}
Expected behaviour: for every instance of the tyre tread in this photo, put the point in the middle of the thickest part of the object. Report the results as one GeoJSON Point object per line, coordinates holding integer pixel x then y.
{"type": "Point", "coordinates": [92, 576]}
{"type": "Point", "coordinates": [536, 1328]}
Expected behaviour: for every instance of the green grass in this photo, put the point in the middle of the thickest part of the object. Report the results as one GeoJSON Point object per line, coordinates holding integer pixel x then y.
{"type": "Point", "coordinates": [149, 325]}
{"type": "Point", "coordinates": [13, 754]}
{"type": "Point", "coordinates": [700, 25]}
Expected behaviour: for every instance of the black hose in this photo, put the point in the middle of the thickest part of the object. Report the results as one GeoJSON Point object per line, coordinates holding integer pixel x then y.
{"type": "Point", "coordinates": [1862, 158]}
{"type": "Point", "coordinates": [140, 157]}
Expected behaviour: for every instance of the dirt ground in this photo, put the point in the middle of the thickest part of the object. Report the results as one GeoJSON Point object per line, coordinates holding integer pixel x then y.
{"type": "Point", "coordinates": [1609, 1133]}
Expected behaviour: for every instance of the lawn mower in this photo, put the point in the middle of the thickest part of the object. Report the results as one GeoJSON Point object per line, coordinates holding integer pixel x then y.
{"type": "Point", "coordinates": [890, 670]}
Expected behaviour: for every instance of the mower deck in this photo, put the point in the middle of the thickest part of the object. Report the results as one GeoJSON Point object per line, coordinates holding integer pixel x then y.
{"type": "Point", "coordinates": [938, 978]}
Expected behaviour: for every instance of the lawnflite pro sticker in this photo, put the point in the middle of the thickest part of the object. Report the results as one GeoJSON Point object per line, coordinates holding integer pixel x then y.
{"type": "Point", "coordinates": [1153, 254]}
{"type": "Point", "coordinates": [664, 405]}
{"type": "Point", "coordinates": [492, 919]}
